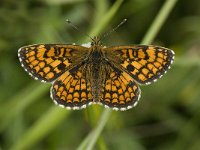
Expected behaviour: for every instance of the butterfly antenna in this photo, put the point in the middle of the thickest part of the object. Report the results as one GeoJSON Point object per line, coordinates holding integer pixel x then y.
{"type": "Point", "coordinates": [76, 28]}
{"type": "Point", "coordinates": [114, 29]}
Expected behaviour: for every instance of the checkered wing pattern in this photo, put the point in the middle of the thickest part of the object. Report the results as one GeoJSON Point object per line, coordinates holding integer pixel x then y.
{"type": "Point", "coordinates": [72, 90]}
{"type": "Point", "coordinates": [46, 62]}
{"type": "Point", "coordinates": [120, 91]}
{"type": "Point", "coordinates": [145, 63]}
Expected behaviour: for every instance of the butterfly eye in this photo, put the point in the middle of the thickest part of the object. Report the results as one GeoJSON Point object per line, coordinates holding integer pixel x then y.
{"type": "Point", "coordinates": [92, 44]}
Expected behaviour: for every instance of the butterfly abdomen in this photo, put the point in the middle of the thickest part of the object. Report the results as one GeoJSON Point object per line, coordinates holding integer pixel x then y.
{"type": "Point", "coordinates": [96, 73]}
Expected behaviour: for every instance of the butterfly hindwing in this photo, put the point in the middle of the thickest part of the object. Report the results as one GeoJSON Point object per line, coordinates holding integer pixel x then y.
{"type": "Point", "coordinates": [46, 62]}
{"type": "Point", "coordinates": [72, 90]}
{"type": "Point", "coordinates": [119, 91]}
{"type": "Point", "coordinates": [145, 63]}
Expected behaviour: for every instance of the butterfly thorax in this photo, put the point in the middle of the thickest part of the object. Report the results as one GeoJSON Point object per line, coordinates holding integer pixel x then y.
{"type": "Point", "coordinates": [96, 55]}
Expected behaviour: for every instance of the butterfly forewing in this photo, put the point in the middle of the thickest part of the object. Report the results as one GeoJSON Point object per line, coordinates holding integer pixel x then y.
{"type": "Point", "coordinates": [46, 62]}
{"type": "Point", "coordinates": [145, 63]}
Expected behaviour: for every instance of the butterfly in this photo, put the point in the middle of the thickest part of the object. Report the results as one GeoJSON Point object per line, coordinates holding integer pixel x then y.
{"type": "Point", "coordinates": [82, 75]}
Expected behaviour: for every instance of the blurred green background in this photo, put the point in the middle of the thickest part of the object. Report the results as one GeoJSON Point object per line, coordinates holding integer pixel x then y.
{"type": "Point", "coordinates": [168, 114]}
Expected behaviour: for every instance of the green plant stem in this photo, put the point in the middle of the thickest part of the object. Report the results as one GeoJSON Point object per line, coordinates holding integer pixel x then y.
{"type": "Point", "coordinates": [158, 21]}
{"type": "Point", "coordinates": [85, 141]}
{"type": "Point", "coordinates": [148, 38]}
{"type": "Point", "coordinates": [97, 131]}
{"type": "Point", "coordinates": [103, 22]}
{"type": "Point", "coordinates": [92, 137]}
{"type": "Point", "coordinates": [101, 7]}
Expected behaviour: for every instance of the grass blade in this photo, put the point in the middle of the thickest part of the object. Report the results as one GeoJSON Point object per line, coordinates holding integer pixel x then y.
{"type": "Point", "coordinates": [159, 21]}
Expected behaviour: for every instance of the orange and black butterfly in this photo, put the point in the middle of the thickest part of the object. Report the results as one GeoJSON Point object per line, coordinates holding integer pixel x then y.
{"type": "Point", "coordinates": [82, 75]}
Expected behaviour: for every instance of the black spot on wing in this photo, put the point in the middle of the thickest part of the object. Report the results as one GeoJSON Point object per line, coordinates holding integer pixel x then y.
{"type": "Point", "coordinates": [130, 68]}
{"type": "Point", "coordinates": [61, 66]}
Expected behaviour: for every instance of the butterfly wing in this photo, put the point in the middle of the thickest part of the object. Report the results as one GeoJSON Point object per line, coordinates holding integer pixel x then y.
{"type": "Point", "coordinates": [46, 62]}
{"type": "Point", "coordinates": [72, 90]}
{"type": "Point", "coordinates": [119, 91]}
{"type": "Point", "coordinates": [145, 63]}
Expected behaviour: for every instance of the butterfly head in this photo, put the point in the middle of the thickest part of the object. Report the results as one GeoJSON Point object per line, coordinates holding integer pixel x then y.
{"type": "Point", "coordinates": [96, 41]}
